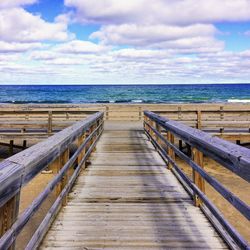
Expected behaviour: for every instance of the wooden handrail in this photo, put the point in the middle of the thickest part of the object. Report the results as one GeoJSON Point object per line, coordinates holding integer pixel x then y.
{"type": "Point", "coordinates": [229, 155]}
{"type": "Point", "coordinates": [19, 169]}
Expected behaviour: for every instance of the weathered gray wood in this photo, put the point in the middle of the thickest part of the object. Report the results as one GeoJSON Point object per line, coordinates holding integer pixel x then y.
{"type": "Point", "coordinates": [116, 205]}
{"type": "Point", "coordinates": [215, 117]}
{"type": "Point", "coordinates": [44, 226]}
{"type": "Point", "coordinates": [23, 166]}
{"type": "Point", "coordinates": [63, 166]}
{"type": "Point", "coordinates": [229, 196]}
{"type": "Point", "coordinates": [231, 156]}
{"type": "Point", "coordinates": [234, 236]}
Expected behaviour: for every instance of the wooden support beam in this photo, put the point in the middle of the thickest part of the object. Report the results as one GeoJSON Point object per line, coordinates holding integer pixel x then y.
{"type": "Point", "coordinates": [179, 113]}
{"type": "Point", "coordinates": [80, 140]}
{"type": "Point", "coordinates": [107, 113]}
{"type": "Point", "coordinates": [140, 113]}
{"type": "Point", "coordinates": [8, 215]}
{"type": "Point", "coordinates": [221, 118]}
{"type": "Point", "coordinates": [151, 132]}
{"type": "Point", "coordinates": [24, 144]}
{"type": "Point", "coordinates": [11, 147]}
{"type": "Point", "coordinates": [180, 145]}
{"type": "Point", "coordinates": [170, 151]}
{"type": "Point", "coordinates": [63, 160]}
{"type": "Point", "coordinates": [50, 122]}
{"type": "Point", "coordinates": [189, 150]}
{"type": "Point", "coordinates": [197, 157]}
{"type": "Point", "coordinates": [92, 129]}
{"type": "Point", "coordinates": [199, 119]}
{"type": "Point", "coordinates": [158, 128]}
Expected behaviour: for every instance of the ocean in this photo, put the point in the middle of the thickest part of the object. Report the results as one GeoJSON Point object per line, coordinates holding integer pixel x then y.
{"type": "Point", "coordinates": [188, 93]}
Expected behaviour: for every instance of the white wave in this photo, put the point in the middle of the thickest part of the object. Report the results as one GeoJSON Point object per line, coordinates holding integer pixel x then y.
{"type": "Point", "coordinates": [239, 100]}
{"type": "Point", "coordinates": [137, 101]}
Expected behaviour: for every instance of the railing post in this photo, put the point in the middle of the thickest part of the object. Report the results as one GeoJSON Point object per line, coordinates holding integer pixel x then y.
{"type": "Point", "coordinates": [151, 132]}
{"type": "Point", "coordinates": [55, 166]}
{"type": "Point", "coordinates": [8, 215]}
{"type": "Point", "coordinates": [49, 122]}
{"type": "Point", "coordinates": [11, 148]}
{"type": "Point", "coordinates": [197, 179]}
{"type": "Point", "coordinates": [107, 113]}
{"type": "Point", "coordinates": [140, 113]}
{"type": "Point", "coordinates": [64, 157]}
{"type": "Point", "coordinates": [179, 113]}
{"type": "Point", "coordinates": [80, 141]}
{"type": "Point", "coordinates": [146, 127]}
{"type": "Point", "coordinates": [180, 145]}
{"type": "Point", "coordinates": [158, 128]}
{"type": "Point", "coordinates": [170, 151]}
{"type": "Point", "coordinates": [198, 125]}
{"type": "Point", "coordinates": [221, 118]}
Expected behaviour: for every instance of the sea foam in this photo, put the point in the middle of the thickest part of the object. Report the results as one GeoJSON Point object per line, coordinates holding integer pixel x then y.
{"type": "Point", "coordinates": [239, 100]}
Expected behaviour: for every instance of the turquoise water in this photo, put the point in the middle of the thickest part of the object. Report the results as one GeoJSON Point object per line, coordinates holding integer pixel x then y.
{"type": "Point", "coordinates": [125, 93]}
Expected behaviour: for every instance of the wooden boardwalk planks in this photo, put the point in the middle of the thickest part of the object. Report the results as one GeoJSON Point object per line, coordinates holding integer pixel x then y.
{"type": "Point", "coordinates": [127, 199]}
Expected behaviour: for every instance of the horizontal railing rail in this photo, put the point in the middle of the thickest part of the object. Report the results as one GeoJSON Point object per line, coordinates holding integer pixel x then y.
{"type": "Point", "coordinates": [39, 121]}
{"type": "Point", "coordinates": [218, 117]}
{"type": "Point", "coordinates": [20, 169]}
{"type": "Point", "coordinates": [162, 132]}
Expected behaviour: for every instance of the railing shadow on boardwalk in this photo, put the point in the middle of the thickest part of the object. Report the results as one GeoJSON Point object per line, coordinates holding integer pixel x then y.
{"type": "Point", "coordinates": [228, 155]}
{"type": "Point", "coordinates": [184, 224]}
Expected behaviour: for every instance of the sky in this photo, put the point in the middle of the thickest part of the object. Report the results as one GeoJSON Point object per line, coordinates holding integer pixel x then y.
{"type": "Point", "coordinates": [124, 41]}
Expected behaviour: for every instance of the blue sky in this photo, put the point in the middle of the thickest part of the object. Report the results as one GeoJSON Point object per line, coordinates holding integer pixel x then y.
{"type": "Point", "coordinates": [133, 41]}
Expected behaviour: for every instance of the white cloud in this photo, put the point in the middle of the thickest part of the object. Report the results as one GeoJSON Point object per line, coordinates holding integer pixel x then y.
{"type": "Point", "coordinates": [193, 45]}
{"type": "Point", "coordinates": [158, 37]}
{"type": "Point", "coordinates": [17, 47]}
{"type": "Point", "coordinates": [18, 25]}
{"type": "Point", "coordinates": [149, 65]}
{"type": "Point", "coordinates": [80, 47]}
{"type": "Point", "coordinates": [160, 11]}
{"type": "Point", "coordinates": [137, 55]}
{"type": "Point", "coordinates": [147, 35]}
{"type": "Point", "coordinates": [15, 3]}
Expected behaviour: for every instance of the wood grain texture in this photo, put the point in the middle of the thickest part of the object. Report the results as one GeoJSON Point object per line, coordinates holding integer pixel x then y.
{"type": "Point", "coordinates": [127, 199]}
{"type": "Point", "coordinates": [48, 118]}
{"type": "Point", "coordinates": [195, 187]}
{"type": "Point", "coordinates": [231, 156]}
{"type": "Point", "coordinates": [19, 169]}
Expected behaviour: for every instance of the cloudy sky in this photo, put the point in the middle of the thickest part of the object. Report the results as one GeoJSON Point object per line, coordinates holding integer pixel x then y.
{"type": "Point", "coordinates": [124, 41]}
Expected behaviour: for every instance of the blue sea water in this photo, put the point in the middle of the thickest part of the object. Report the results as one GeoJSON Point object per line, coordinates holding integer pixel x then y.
{"type": "Point", "coordinates": [191, 93]}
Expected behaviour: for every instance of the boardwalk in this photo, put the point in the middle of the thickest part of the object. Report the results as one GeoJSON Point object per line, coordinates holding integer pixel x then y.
{"type": "Point", "coordinates": [127, 199]}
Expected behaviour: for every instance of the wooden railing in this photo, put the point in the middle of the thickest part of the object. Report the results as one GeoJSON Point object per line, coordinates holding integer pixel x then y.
{"type": "Point", "coordinates": [39, 121]}
{"type": "Point", "coordinates": [163, 132]}
{"type": "Point", "coordinates": [46, 118]}
{"type": "Point", "coordinates": [21, 168]}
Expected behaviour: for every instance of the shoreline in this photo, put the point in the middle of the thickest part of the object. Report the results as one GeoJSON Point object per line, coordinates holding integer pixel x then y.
{"type": "Point", "coordinates": [136, 102]}
{"type": "Point", "coordinates": [145, 94]}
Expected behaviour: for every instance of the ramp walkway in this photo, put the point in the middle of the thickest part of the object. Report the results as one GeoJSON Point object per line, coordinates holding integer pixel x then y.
{"type": "Point", "coordinates": [127, 199]}
{"type": "Point", "coordinates": [119, 186]}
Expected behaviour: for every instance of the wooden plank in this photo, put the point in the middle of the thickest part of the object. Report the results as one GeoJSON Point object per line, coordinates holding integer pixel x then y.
{"type": "Point", "coordinates": [116, 205]}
